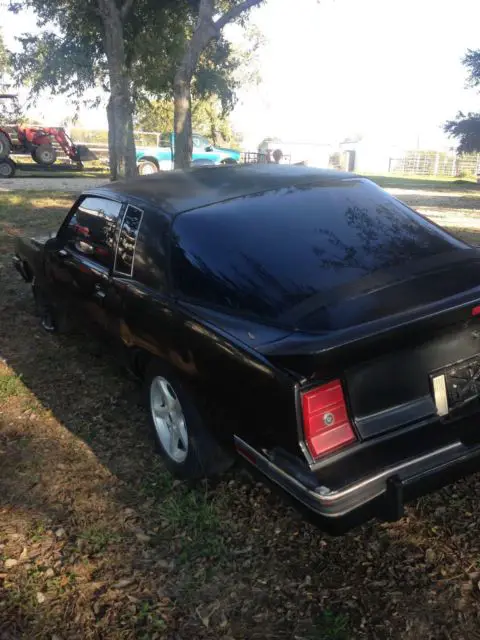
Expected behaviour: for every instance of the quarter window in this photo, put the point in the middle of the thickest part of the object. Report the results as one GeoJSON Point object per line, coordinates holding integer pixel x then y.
{"type": "Point", "coordinates": [91, 229]}
{"type": "Point", "coordinates": [127, 240]}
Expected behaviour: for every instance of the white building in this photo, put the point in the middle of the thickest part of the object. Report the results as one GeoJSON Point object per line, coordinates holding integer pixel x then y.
{"type": "Point", "coordinates": [369, 156]}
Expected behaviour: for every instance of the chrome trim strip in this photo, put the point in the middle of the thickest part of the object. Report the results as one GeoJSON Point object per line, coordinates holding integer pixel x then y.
{"type": "Point", "coordinates": [121, 273]}
{"type": "Point", "coordinates": [336, 503]}
{"type": "Point", "coordinates": [440, 394]}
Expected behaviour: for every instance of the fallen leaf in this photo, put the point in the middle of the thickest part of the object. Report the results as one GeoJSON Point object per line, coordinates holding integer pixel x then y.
{"type": "Point", "coordinates": [142, 537]}
{"type": "Point", "coordinates": [10, 562]}
{"type": "Point", "coordinates": [40, 597]}
{"type": "Point", "coordinates": [124, 582]}
{"type": "Point", "coordinates": [430, 556]}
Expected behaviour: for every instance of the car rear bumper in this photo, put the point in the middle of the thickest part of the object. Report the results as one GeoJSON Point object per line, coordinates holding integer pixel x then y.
{"type": "Point", "coordinates": [382, 494]}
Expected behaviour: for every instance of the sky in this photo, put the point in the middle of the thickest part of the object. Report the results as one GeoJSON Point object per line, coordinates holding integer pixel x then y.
{"type": "Point", "coordinates": [387, 69]}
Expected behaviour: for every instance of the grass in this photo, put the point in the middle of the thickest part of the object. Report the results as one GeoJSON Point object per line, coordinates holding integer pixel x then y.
{"type": "Point", "coordinates": [440, 183]}
{"type": "Point", "coordinates": [329, 626]}
{"type": "Point", "coordinates": [108, 546]}
{"type": "Point", "coordinates": [10, 386]}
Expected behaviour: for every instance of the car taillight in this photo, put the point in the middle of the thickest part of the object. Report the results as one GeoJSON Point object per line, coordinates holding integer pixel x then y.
{"type": "Point", "coordinates": [325, 419]}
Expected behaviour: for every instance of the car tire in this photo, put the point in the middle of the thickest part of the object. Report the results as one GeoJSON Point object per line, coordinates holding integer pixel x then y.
{"type": "Point", "coordinates": [5, 146]}
{"type": "Point", "coordinates": [44, 155]}
{"type": "Point", "coordinates": [147, 168]}
{"type": "Point", "coordinates": [189, 450]}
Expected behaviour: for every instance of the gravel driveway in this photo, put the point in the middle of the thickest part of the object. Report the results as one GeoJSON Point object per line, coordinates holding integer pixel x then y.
{"type": "Point", "coordinates": [69, 185]}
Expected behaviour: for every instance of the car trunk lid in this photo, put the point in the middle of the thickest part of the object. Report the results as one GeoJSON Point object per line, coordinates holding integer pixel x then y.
{"type": "Point", "coordinates": [414, 330]}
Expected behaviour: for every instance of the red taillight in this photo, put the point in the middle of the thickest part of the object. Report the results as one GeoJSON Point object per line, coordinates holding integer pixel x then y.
{"type": "Point", "coordinates": [476, 311]}
{"type": "Point", "coordinates": [325, 419]}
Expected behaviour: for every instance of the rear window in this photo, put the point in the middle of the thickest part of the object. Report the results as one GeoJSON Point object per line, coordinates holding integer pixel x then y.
{"type": "Point", "coordinates": [266, 254]}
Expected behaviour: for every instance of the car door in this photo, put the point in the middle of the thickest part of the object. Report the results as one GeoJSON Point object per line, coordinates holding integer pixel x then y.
{"type": "Point", "coordinates": [80, 264]}
{"type": "Point", "coordinates": [202, 151]}
{"type": "Point", "coordinates": [140, 301]}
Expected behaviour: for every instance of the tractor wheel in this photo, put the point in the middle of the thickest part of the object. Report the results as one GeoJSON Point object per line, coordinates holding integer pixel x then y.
{"type": "Point", "coordinates": [44, 154]}
{"type": "Point", "coordinates": [7, 168]}
{"type": "Point", "coordinates": [5, 146]}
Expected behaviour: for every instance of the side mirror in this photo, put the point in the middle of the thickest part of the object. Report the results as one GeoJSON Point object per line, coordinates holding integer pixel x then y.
{"type": "Point", "coordinates": [209, 148]}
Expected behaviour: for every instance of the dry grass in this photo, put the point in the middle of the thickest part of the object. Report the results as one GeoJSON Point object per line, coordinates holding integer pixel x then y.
{"type": "Point", "coordinates": [97, 541]}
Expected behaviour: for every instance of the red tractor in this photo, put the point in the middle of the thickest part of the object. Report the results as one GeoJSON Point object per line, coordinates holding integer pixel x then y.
{"type": "Point", "coordinates": [38, 141]}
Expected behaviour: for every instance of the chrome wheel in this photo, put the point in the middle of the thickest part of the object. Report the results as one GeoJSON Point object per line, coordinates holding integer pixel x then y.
{"type": "Point", "coordinates": [147, 168]}
{"type": "Point", "coordinates": [168, 419]}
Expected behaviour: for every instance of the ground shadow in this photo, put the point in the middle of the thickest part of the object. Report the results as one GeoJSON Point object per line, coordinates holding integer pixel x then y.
{"type": "Point", "coordinates": [132, 551]}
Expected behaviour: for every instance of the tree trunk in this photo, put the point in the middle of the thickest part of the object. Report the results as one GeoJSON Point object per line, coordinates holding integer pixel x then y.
{"type": "Point", "coordinates": [205, 30]}
{"type": "Point", "coordinates": [121, 144]}
{"type": "Point", "coordinates": [183, 119]}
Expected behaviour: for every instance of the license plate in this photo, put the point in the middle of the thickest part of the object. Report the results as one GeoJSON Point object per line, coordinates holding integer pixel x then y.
{"type": "Point", "coordinates": [457, 386]}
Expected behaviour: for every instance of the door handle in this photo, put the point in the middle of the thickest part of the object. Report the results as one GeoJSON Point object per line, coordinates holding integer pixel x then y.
{"type": "Point", "coordinates": [100, 293]}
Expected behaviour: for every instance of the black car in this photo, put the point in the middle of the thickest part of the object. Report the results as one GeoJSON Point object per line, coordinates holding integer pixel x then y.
{"type": "Point", "coordinates": [304, 318]}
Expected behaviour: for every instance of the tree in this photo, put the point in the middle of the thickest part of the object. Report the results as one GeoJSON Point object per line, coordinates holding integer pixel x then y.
{"type": "Point", "coordinates": [99, 43]}
{"type": "Point", "coordinates": [9, 108]}
{"type": "Point", "coordinates": [128, 48]}
{"type": "Point", "coordinates": [121, 145]}
{"type": "Point", "coordinates": [466, 127]}
{"type": "Point", "coordinates": [212, 17]}
{"type": "Point", "coordinates": [4, 59]}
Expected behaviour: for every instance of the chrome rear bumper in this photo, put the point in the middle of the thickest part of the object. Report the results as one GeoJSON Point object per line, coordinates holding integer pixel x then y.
{"type": "Point", "coordinates": [388, 488]}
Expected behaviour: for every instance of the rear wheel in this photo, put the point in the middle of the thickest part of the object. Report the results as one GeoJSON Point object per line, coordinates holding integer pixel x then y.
{"type": "Point", "coordinates": [188, 448]}
{"type": "Point", "coordinates": [5, 146]}
{"type": "Point", "coordinates": [147, 167]}
{"type": "Point", "coordinates": [44, 154]}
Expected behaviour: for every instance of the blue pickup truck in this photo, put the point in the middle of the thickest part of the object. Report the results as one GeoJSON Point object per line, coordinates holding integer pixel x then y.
{"type": "Point", "coordinates": [154, 159]}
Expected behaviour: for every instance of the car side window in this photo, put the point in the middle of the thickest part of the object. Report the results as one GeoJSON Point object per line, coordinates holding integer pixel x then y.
{"type": "Point", "coordinates": [91, 229]}
{"type": "Point", "coordinates": [127, 240]}
{"type": "Point", "coordinates": [197, 142]}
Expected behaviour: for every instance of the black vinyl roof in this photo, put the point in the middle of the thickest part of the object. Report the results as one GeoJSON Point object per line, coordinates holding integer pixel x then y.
{"type": "Point", "coordinates": [178, 191]}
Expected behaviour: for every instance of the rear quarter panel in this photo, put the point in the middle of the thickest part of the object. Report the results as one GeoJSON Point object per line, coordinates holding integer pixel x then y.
{"type": "Point", "coordinates": [241, 392]}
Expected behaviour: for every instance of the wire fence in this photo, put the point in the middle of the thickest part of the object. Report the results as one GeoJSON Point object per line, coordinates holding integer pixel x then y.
{"type": "Point", "coordinates": [436, 163]}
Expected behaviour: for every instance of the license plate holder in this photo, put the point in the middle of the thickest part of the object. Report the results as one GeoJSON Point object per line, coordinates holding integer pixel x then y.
{"type": "Point", "coordinates": [456, 386]}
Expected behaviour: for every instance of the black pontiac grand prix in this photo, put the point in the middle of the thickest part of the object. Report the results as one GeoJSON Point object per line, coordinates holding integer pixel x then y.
{"type": "Point", "coordinates": [304, 318]}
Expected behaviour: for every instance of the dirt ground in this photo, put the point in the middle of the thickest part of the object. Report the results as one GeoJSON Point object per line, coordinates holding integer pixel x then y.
{"type": "Point", "coordinates": [52, 183]}
{"type": "Point", "coordinates": [97, 541]}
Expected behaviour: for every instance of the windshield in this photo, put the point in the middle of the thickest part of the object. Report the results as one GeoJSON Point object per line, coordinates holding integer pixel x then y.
{"type": "Point", "coordinates": [270, 253]}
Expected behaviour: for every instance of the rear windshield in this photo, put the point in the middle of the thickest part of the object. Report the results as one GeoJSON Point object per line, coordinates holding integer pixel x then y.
{"type": "Point", "coordinates": [271, 254]}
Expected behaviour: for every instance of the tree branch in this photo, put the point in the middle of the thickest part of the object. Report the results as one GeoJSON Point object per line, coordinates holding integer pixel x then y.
{"type": "Point", "coordinates": [127, 5]}
{"type": "Point", "coordinates": [235, 12]}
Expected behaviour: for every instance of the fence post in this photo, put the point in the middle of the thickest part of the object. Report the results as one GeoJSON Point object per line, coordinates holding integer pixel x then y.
{"type": "Point", "coordinates": [437, 162]}
{"type": "Point", "coordinates": [454, 165]}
